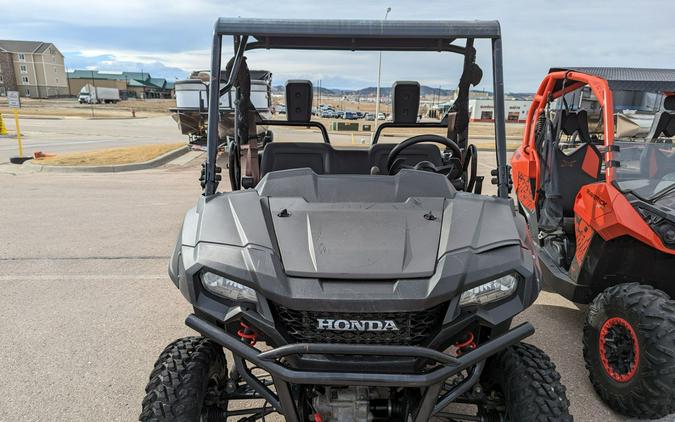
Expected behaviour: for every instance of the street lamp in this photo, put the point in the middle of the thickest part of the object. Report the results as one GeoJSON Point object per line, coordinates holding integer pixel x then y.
{"type": "Point", "coordinates": [379, 75]}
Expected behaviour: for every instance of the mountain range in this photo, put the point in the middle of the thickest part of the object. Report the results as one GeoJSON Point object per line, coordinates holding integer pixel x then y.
{"type": "Point", "coordinates": [369, 92]}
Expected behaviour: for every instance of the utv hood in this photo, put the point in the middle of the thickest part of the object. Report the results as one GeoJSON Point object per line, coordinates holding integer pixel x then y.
{"type": "Point", "coordinates": [365, 227]}
{"type": "Point", "coordinates": [358, 240]}
{"type": "Point", "coordinates": [355, 227]}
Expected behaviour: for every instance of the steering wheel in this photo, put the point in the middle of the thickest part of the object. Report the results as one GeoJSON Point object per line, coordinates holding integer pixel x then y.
{"type": "Point", "coordinates": [452, 170]}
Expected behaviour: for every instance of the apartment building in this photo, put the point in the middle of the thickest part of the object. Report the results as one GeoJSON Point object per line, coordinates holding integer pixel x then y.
{"type": "Point", "coordinates": [34, 68]}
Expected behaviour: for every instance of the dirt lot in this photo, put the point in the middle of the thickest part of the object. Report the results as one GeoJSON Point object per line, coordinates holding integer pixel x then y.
{"type": "Point", "coordinates": [69, 107]}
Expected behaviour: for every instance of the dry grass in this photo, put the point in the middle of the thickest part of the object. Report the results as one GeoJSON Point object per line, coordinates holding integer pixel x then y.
{"type": "Point", "coordinates": [112, 156]}
{"type": "Point", "coordinates": [69, 107]}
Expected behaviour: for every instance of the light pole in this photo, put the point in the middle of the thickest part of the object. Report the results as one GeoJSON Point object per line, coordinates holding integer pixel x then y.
{"type": "Point", "coordinates": [379, 75]}
{"type": "Point", "coordinates": [91, 101]}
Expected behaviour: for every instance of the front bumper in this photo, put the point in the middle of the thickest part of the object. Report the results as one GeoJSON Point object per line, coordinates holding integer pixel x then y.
{"type": "Point", "coordinates": [432, 381]}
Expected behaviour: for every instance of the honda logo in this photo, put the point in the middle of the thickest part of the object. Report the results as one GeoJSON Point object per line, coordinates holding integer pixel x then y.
{"type": "Point", "coordinates": [355, 325]}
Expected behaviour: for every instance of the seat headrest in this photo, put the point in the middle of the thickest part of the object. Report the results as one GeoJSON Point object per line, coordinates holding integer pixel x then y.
{"type": "Point", "coordinates": [669, 103]}
{"type": "Point", "coordinates": [576, 122]}
{"type": "Point", "coordinates": [573, 121]}
{"type": "Point", "coordinates": [405, 101]}
{"type": "Point", "coordinates": [667, 123]}
{"type": "Point", "coordinates": [299, 100]}
{"type": "Point", "coordinates": [664, 124]}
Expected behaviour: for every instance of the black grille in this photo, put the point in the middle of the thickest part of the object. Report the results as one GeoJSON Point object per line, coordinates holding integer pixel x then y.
{"type": "Point", "coordinates": [413, 327]}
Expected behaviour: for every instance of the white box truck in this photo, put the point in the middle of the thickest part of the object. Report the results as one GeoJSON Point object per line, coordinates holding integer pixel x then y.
{"type": "Point", "coordinates": [90, 94]}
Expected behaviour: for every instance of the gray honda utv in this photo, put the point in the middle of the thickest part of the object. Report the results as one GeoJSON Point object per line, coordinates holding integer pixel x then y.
{"type": "Point", "coordinates": [353, 284]}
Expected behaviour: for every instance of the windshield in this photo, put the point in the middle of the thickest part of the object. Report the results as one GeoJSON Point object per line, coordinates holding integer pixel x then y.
{"type": "Point", "coordinates": [647, 169]}
{"type": "Point", "coordinates": [646, 152]}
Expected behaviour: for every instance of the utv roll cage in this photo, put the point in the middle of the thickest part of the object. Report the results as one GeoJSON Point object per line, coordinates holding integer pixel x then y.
{"type": "Point", "coordinates": [359, 35]}
{"type": "Point", "coordinates": [602, 81]}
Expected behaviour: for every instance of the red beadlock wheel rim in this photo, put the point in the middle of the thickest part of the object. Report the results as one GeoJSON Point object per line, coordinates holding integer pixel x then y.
{"type": "Point", "coordinates": [619, 349]}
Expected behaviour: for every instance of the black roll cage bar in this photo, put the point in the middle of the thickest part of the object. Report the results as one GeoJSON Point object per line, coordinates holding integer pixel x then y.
{"type": "Point", "coordinates": [311, 123]}
{"type": "Point", "coordinates": [356, 35]}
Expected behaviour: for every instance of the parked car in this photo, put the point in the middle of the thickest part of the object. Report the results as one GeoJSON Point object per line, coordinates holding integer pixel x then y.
{"type": "Point", "coordinates": [381, 116]}
{"type": "Point", "coordinates": [328, 113]}
{"type": "Point", "coordinates": [340, 115]}
{"type": "Point", "coordinates": [350, 115]}
{"type": "Point", "coordinates": [281, 109]}
{"type": "Point", "coordinates": [370, 117]}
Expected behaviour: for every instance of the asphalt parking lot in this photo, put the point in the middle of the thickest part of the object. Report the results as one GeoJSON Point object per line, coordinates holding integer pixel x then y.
{"type": "Point", "coordinates": [61, 135]}
{"type": "Point", "coordinates": [86, 303]}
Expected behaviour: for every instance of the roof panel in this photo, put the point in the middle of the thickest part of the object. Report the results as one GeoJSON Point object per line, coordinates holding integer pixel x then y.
{"type": "Point", "coordinates": [13, 46]}
{"type": "Point", "coordinates": [356, 34]}
{"type": "Point", "coordinates": [630, 79]}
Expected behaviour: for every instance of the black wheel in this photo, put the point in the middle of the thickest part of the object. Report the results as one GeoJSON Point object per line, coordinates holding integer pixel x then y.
{"type": "Point", "coordinates": [184, 383]}
{"type": "Point", "coordinates": [629, 349]}
{"type": "Point", "coordinates": [526, 381]}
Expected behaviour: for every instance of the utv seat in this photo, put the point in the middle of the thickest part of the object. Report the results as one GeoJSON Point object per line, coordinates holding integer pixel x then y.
{"type": "Point", "coordinates": [291, 155]}
{"type": "Point", "coordinates": [324, 159]}
{"type": "Point", "coordinates": [580, 167]}
{"type": "Point", "coordinates": [654, 163]}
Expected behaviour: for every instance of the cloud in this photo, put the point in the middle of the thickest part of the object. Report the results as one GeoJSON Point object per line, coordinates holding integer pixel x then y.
{"type": "Point", "coordinates": [114, 63]}
{"type": "Point", "coordinates": [537, 34]}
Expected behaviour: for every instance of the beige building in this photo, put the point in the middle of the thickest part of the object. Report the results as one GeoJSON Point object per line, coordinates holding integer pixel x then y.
{"type": "Point", "coordinates": [34, 68]}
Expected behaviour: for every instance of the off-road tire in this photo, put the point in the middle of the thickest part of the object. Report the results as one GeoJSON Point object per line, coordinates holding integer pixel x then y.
{"type": "Point", "coordinates": [650, 392]}
{"type": "Point", "coordinates": [530, 385]}
{"type": "Point", "coordinates": [179, 381]}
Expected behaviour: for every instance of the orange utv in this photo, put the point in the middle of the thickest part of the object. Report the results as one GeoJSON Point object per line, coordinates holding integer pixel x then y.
{"type": "Point", "coordinates": [595, 179]}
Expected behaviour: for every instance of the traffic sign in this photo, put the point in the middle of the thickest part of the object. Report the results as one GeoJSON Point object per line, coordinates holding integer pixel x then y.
{"type": "Point", "coordinates": [13, 98]}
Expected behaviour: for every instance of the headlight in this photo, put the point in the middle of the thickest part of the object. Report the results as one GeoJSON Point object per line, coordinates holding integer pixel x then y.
{"type": "Point", "coordinates": [227, 288]}
{"type": "Point", "coordinates": [490, 291]}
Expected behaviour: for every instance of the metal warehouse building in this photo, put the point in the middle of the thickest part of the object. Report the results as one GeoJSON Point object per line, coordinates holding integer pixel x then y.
{"type": "Point", "coordinates": [482, 110]}
{"type": "Point", "coordinates": [130, 84]}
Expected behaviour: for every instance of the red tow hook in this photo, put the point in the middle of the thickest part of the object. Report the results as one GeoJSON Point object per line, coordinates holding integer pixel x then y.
{"type": "Point", "coordinates": [247, 334]}
{"type": "Point", "coordinates": [467, 345]}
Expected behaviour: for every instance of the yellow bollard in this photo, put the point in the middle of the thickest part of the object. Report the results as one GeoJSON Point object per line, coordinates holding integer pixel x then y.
{"type": "Point", "coordinates": [352, 138]}
{"type": "Point", "coordinates": [3, 129]}
{"type": "Point", "coordinates": [18, 133]}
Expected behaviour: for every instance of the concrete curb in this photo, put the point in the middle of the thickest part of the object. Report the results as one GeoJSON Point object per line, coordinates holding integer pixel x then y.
{"type": "Point", "coordinates": [115, 118]}
{"type": "Point", "coordinates": [155, 162]}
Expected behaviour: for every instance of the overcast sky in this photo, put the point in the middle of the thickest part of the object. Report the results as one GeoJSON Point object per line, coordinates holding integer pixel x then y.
{"type": "Point", "coordinates": [171, 38]}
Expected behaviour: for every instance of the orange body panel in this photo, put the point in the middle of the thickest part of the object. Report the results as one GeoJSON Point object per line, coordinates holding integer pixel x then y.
{"type": "Point", "coordinates": [607, 211]}
{"type": "Point", "coordinates": [591, 164]}
{"type": "Point", "coordinates": [584, 235]}
{"type": "Point", "coordinates": [523, 168]}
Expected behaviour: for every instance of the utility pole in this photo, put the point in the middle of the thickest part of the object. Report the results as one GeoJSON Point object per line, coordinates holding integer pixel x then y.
{"type": "Point", "coordinates": [439, 98]}
{"type": "Point", "coordinates": [91, 102]}
{"type": "Point", "coordinates": [143, 81]}
{"type": "Point", "coordinates": [379, 75]}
